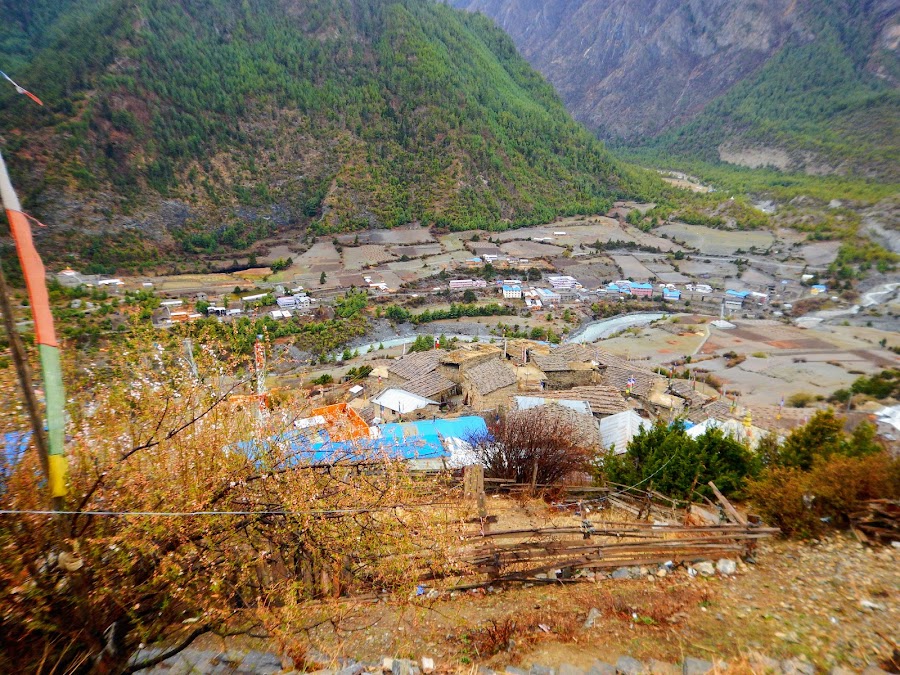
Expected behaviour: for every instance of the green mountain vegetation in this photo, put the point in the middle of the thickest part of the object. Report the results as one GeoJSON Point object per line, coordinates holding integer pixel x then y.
{"type": "Point", "coordinates": [832, 103]}
{"type": "Point", "coordinates": [263, 115]}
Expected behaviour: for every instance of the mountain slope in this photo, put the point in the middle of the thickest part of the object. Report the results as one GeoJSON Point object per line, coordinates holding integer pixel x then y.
{"type": "Point", "coordinates": [795, 83]}
{"type": "Point", "coordinates": [216, 122]}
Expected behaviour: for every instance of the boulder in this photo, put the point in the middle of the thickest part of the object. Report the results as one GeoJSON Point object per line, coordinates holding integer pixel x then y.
{"type": "Point", "coordinates": [592, 617]}
{"type": "Point", "coordinates": [692, 666]}
{"type": "Point", "coordinates": [602, 668]}
{"type": "Point", "coordinates": [627, 665]}
{"type": "Point", "coordinates": [726, 567]}
{"type": "Point", "coordinates": [706, 568]}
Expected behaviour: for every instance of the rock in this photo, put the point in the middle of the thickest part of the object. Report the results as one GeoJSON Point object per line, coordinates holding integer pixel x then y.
{"type": "Point", "coordinates": [542, 670]}
{"type": "Point", "coordinates": [868, 604]}
{"type": "Point", "coordinates": [622, 573]}
{"type": "Point", "coordinates": [692, 666]}
{"type": "Point", "coordinates": [626, 665]}
{"type": "Point", "coordinates": [569, 669]}
{"type": "Point", "coordinates": [427, 665]}
{"type": "Point", "coordinates": [231, 657]}
{"type": "Point", "coordinates": [763, 663]}
{"type": "Point", "coordinates": [797, 667]}
{"type": "Point", "coordinates": [726, 567]}
{"type": "Point", "coordinates": [403, 667]}
{"type": "Point", "coordinates": [352, 669]}
{"type": "Point", "coordinates": [511, 670]}
{"type": "Point", "coordinates": [602, 668]}
{"type": "Point", "coordinates": [663, 668]}
{"type": "Point", "coordinates": [592, 617]}
{"type": "Point", "coordinates": [387, 665]}
{"type": "Point", "coordinates": [840, 670]}
{"type": "Point", "coordinates": [661, 572]}
{"type": "Point", "coordinates": [484, 670]}
{"type": "Point", "coordinates": [705, 568]}
{"type": "Point", "coordinates": [874, 670]}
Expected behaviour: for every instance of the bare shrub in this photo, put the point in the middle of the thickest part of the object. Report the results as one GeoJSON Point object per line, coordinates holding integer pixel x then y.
{"type": "Point", "coordinates": [541, 440]}
{"type": "Point", "coordinates": [493, 637]}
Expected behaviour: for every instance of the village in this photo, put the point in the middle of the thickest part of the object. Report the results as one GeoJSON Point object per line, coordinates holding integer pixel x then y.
{"type": "Point", "coordinates": [592, 317]}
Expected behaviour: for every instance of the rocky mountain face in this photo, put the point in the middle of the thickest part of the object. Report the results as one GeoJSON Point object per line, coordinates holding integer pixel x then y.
{"type": "Point", "coordinates": [767, 75]}
{"type": "Point", "coordinates": [630, 69]}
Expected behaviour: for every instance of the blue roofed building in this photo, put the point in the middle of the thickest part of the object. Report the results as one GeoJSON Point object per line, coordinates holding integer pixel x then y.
{"type": "Point", "coordinates": [671, 294]}
{"type": "Point", "coordinates": [425, 445]}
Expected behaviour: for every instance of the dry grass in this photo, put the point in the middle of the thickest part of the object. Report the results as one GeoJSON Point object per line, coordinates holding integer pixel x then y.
{"type": "Point", "coordinates": [521, 629]}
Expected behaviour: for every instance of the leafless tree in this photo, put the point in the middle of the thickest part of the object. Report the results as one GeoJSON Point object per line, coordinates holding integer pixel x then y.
{"type": "Point", "coordinates": [537, 444]}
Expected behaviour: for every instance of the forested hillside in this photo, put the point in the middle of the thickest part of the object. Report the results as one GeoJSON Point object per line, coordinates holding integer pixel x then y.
{"type": "Point", "coordinates": [215, 122]}
{"type": "Point", "coordinates": [829, 105]}
{"type": "Point", "coordinates": [796, 84]}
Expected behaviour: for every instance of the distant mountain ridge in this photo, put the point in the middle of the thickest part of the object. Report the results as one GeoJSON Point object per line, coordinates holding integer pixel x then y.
{"type": "Point", "coordinates": [802, 84]}
{"type": "Point", "coordinates": [213, 123]}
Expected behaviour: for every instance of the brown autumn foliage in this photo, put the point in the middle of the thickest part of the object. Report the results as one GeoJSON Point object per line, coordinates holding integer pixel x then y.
{"type": "Point", "coordinates": [259, 533]}
{"type": "Point", "coordinates": [804, 503]}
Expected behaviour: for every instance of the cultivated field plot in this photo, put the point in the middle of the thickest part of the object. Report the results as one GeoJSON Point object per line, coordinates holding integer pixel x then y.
{"type": "Point", "coordinates": [357, 257]}
{"type": "Point", "coordinates": [417, 251]}
{"type": "Point", "coordinates": [454, 240]}
{"type": "Point", "coordinates": [673, 277]}
{"type": "Point", "coordinates": [321, 257]}
{"type": "Point", "coordinates": [716, 269]}
{"type": "Point", "coordinates": [717, 242]}
{"type": "Point", "coordinates": [600, 268]}
{"type": "Point", "coordinates": [653, 347]}
{"type": "Point", "coordinates": [632, 268]}
{"type": "Point", "coordinates": [529, 249]}
{"type": "Point", "coordinates": [820, 253]}
{"type": "Point", "coordinates": [756, 277]}
{"type": "Point", "coordinates": [652, 239]}
{"type": "Point", "coordinates": [401, 236]}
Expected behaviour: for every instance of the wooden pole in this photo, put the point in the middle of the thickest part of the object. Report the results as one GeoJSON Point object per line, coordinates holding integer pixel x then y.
{"type": "Point", "coordinates": [729, 509]}
{"type": "Point", "coordinates": [23, 370]}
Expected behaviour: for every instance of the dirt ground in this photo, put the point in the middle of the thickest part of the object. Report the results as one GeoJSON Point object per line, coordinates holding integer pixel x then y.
{"type": "Point", "coordinates": [832, 602]}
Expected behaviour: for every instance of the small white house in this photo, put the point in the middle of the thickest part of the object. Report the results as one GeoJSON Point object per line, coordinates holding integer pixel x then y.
{"type": "Point", "coordinates": [512, 292]}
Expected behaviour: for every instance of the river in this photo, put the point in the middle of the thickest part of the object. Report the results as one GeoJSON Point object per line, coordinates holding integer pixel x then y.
{"type": "Point", "coordinates": [590, 332]}
{"type": "Point", "coordinates": [598, 330]}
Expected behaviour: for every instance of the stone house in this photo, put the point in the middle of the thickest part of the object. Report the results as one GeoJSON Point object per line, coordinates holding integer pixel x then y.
{"type": "Point", "coordinates": [562, 373]}
{"type": "Point", "coordinates": [603, 400]}
{"type": "Point", "coordinates": [455, 364]}
{"type": "Point", "coordinates": [489, 385]}
{"type": "Point", "coordinates": [418, 373]}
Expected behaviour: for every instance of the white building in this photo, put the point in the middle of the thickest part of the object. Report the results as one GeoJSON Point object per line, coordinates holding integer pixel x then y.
{"type": "Point", "coordinates": [563, 282]}
{"type": "Point", "coordinates": [512, 292]}
{"type": "Point", "coordinates": [460, 284]}
{"type": "Point", "coordinates": [297, 301]}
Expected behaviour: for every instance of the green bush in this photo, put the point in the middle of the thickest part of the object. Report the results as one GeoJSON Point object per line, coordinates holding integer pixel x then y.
{"type": "Point", "coordinates": [822, 437]}
{"type": "Point", "coordinates": [675, 464]}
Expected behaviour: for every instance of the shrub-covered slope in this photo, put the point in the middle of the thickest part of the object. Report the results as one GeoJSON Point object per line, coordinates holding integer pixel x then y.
{"type": "Point", "coordinates": [217, 122]}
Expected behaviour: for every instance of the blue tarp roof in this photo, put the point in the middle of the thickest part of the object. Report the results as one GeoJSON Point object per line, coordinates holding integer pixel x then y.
{"type": "Point", "coordinates": [14, 445]}
{"type": "Point", "coordinates": [739, 294]}
{"type": "Point", "coordinates": [403, 440]}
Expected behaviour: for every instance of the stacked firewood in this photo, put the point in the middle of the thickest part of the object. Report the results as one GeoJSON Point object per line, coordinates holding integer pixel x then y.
{"type": "Point", "coordinates": [879, 523]}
